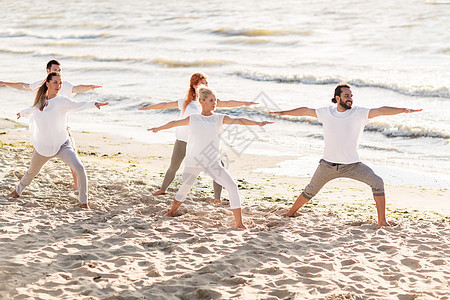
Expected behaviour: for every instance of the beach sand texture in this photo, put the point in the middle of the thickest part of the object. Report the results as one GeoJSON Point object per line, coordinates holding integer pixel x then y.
{"type": "Point", "coordinates": [124, 249]}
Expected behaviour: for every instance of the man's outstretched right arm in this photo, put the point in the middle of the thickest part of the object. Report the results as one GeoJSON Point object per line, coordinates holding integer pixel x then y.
{"type": "Point", "coordinates": [301, 111]}
{"type": "Point", "coordinates": [17, 85]}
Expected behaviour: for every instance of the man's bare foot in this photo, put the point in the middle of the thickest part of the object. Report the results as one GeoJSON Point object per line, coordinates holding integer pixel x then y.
{"type": "Point", "coordinates": [287, 214]}
{"type": "Point", "coordinates": [85, 205]}
{"type": "Point", "coordinates": [384, 224]}
{"type": "Point", "coordinates": [217, 201]}
{"type": "Point", "coordinates": [13, 194]}
{"type": "Point", "coordinates": [159, 192]}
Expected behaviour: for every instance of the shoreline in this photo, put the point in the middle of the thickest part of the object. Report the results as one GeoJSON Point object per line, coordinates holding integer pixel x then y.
{"type": "Point", "coordinates": [153, 160]}
{"type": "Point", "coordinates": [125, 248]}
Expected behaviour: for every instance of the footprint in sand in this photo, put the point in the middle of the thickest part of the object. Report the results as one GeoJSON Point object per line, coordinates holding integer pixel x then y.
{"type": "Point", "coordinates": [348, 262]}
{"type": "Point", "coordinates": [203, 293]}
{"type": "Point", "coordinates": [283, 294]}
{"type": "Point", "coordinates": [309, 271]}
{"type": "Point", "coordinates": [206, 270]}
{"type": "Point", "coordinates": [438, 262]}
{"type": "Point", "coordinates": [328, 266]}
{"type": "Point", "coordinates": [408, 296]}
{"type": "Point", "coordinates": [411, 263]}
{"type": "Point", "coordinates": [391, 276]}
{"type": "Point", "coordinates": [203, 250]}
{"type": "Point", "coordinates": [153, 273]}
{"type": "Point", "coordinates": [270, 270]}
{"type": "Point", "coordinates": [388, 249]}
{"type": "Point", "coordinates": [181, 235]}
{"type": "Point", "coordinates": [235, 280]}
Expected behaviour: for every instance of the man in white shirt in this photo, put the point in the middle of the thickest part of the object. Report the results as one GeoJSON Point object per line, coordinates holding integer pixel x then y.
{"type": "Point", "coordinates": [67, 88]}
{"type": "Point", "coordinates": [343, 126]}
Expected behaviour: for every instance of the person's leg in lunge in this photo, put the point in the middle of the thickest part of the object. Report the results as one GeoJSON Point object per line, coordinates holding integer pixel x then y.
{"type": "Point", "coordinates": [364, 173]}
{"type": "Point", "coordinates": [222, 177]}
{"type": "Point", "coordinates": [69, 157]}
{"type": "Point", "coordinates": [299, 202]}
{"type": "Point", "coordinates": [324, 173]}
{"type": "Point", "coordinates": [217, 188]}
{"type": "Point", "coordinates": [74, 176]}
{"type": "Point", "coordinates": [178, 154]}
{"type": "Point", "coordinates": [75, 182]}
{"type": "Point", "coordinates": [37, 161]}
{"type": "Point", "coordinates": [189, 177]}
{"type": "Point", "coordinates": [380, 202]}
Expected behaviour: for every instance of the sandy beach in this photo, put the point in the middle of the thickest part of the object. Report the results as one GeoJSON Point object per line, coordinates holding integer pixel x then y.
{"type": "Point", "coordinates": [124, 249]}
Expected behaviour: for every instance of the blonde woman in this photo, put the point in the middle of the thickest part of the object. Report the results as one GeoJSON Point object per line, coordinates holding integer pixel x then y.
{"type": "Point", "coordinates": [203, 151]}
{"type": "Point", "coordinates": [188, 106]}
{"type": "Point", "coordinates": [49, 136]}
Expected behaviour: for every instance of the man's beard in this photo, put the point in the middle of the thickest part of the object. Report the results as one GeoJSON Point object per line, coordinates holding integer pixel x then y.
{"type": "Point", "coordinates": [345, 105]}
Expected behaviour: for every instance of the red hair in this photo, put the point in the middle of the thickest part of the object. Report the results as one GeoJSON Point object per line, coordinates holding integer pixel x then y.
{"type": "Point", "coordinates": [191, 94]}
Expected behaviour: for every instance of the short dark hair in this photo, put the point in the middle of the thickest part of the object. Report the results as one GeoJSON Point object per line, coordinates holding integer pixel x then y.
{"type": "Point", "coordinates": [52, 62]}
{"type": "Point", "coordinates": [338, 91]}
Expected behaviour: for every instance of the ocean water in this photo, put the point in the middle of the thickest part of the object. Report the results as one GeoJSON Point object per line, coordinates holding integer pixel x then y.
{"type": "Point", "coordinates": [282, 54]}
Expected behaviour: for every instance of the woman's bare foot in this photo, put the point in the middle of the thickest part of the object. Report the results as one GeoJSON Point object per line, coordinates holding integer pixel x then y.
{"type": "Point", "coordinates": [217, 201]}
{"type": "Point", "coordinates": [13, 194]}
{"type": "Point", "coordinates": [85, 205]}
{"type": "Point", "coordinates": [241, 226]}
{"type": "Point", "coordinates": [237, 213]}
{"type": "Point", "coordinates": [169, 214]}
{"type": "Point", "coordinates": [175, 205]}
{"type": "Point", "coordinates": [159, 192]}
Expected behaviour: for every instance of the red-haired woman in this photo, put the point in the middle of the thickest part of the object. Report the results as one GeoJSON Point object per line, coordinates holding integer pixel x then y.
{"type": "Point", "coordinates": [188, 106]}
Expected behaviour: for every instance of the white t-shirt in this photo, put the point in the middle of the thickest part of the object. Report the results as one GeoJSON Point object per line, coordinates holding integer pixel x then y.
{"type": "Point", "coordinates": [193, 107]}
{"type": "Point", "coordinates": [341, 132]}
{"type": "Point", "coordinates": [48, 128]}
{"type": "Point", "coordinates": [66, 88]}
{"type": "Point", "coordinates": [203, 146]}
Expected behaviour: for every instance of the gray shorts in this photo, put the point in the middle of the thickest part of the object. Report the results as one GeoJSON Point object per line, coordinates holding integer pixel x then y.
{"type": "Point", "coordinates": [327, 171]}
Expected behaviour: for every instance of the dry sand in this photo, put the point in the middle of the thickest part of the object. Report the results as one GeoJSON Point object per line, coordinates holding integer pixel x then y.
{"type": "Point", "coordinates": [125, 249]}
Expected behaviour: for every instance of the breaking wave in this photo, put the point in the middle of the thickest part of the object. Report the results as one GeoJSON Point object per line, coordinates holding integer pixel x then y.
{"type": "Point", "coordinates": [422, 91]}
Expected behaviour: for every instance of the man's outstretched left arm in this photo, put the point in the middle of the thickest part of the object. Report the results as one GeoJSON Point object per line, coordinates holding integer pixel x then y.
{"type": "Point", "coordinates": [81, 88]}
{"type": "Point", "coordinates": [388, 110]}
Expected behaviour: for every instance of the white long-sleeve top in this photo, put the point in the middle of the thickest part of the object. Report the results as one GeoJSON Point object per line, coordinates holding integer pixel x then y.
{"type": "Point", "coordinates": [203, 144]}
{"type": "Point", "coordinates": [48, 128]}
{"type": "Point", "coordinates": [182, 132]}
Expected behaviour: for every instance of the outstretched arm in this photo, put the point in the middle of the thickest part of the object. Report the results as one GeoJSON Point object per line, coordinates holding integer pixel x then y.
{"type": "Point", "coordinates": [25, 112]}
{"type": "Point", "coordinates": [234, 103]}
{"type": "Point", "coordinates": [81, 88]}
{"type": "Point", "coordinates": [301, 111]}
{"type": "Point", "coordinates": [162, 105]}
{"type": "Point", "coordinates": [388, 110]}
{"type": "Point", "coordinates": [243, 121]}
{"type": "Point", "coordinates": [17, 85]}
{"type": "Point", "coordinates": [183, 122]}
{"type": "Point", "coordinates": [73, 106]}
{"type": "Point", "coordinates": [100, 104]}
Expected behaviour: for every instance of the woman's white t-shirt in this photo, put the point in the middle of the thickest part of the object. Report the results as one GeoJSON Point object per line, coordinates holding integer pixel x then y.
{"type": "Point", "coordinates": [203, 145]}
{"type": "Point", "coordinates": [193, 107]}
{"type": "Point", "coordinates": [48, 128]}
{"type": "Point", "coordinates": [342, 132]}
